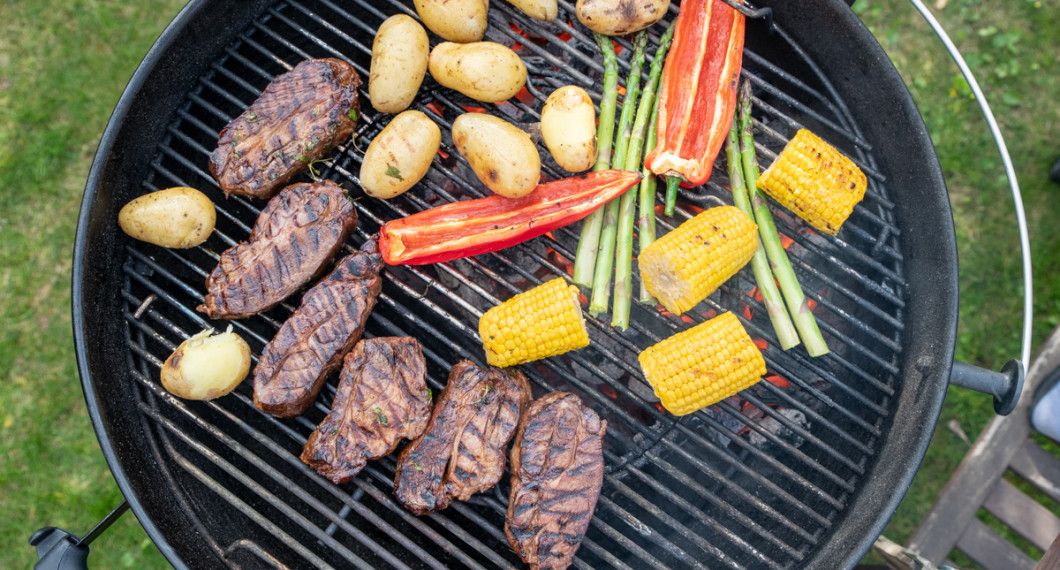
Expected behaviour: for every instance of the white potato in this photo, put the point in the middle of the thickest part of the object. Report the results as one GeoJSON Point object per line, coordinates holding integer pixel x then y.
{"type": "Point", "coordinates": [544, 10]}
{"type": "Point", "coordinates": [568, 125]}
{"type": "Point", "coordinates": [207, 366]}
{"type": "Point", "coordinates": [502, 156]}
{"type": "Point", "coordinates": [175, 217]}
{"type": "Point", "coordinates": [455, 20]}
{"type": "Point", "coordinates": [399, 156]}
{"type": "Point", "coordinates": [484, 71]}
{"type": "Point", "coordinates": [619, 17]}
{"type": "Point", "coordinates": [399, 63]}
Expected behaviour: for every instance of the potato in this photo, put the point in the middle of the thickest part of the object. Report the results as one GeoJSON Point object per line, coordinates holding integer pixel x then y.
{"type": "Point", "coordinates": [399, 156]}
{"type": "Point", "coordinates": [620, 17]}
{"type": "Point", "coordinates": [399, 63]}
{"type": "Point", "coordinates": [460, 21]}
{"type": "Point", "coordinates": [175, 217]}
{"type": "Point", "coordinates": [568, 125]}
{"type": "Point", "coordinates": [544, 10]}
{"type": "Point", "coordinates": [205, 367]}
{"type": "Point", "coordinates": [484, 71]}
{"type": "Point", "coordinates": [502, 156]}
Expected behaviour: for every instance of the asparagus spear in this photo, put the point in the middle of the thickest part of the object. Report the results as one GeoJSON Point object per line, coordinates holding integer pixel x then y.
{"type": "Point", "coordinates": [605, 258]}
{"type": "Point", "coordinates": [589, 240]}
{"type": "Point", "coordinates": [646, 221]}
{"type": "Point", "coordinates": [778, 315]}
{"type": "Point", "coordinates": [805, 322]}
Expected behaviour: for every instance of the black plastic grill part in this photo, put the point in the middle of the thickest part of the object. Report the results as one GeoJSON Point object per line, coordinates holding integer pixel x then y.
{"type": "Point", "coordinates": [756, 481]}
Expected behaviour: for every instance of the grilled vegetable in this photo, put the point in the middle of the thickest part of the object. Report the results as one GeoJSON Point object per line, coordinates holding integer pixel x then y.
{"type": "Point", "coordinates": [568, 125]}
{"type": "Point", "coordinates": [698, 93]}
{"type": "Point", "coordinates": [814, 180]}
{"type": "Point", "coordinates": [502, 155]}
{"type": "Point", "coordinates": [544, 10]}
{"type": "Point", "coordinates": [702, 365]}
{"type": "Point", "coordinates": [471, 227]}
{"type": "Point", "coordinates": [399, 63]}
{"type": "Point", "coordinates": [686, 265]}
{"type": "Point", "coordinates": [619, 17]}
{"type": "Point", "coordinates": [207, 366]}
{"type": "Point", "coordinates": [544, 321]}
{"type": "Point", "coordinates": [400, 155]}
{"type": "Point", "coordinates": [455, 20]}
{"type": "Point", "coordinates": [175, 217]}
{"type": "Point", "coordinates": [484, 71]}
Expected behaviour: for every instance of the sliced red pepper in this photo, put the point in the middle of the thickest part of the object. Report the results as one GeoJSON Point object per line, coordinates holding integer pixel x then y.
{"type": "Point", "coordinates": [471, 227]}
{"type": "Point", "coordinates": [698, 92]}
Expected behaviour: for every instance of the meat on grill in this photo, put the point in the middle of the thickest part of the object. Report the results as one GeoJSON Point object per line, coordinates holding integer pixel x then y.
{"type": "Point", "coordinates": [296, 235]}
{"type": "Point", "coordinates": [382, 398]}
{"type": "Point", "coordinates": [462, 451]}
{"type": "Point", "coordinates": [557, 471]}
{"type": "Point", "coordinates": [312, 342]}
{"type": "Point", "coordinates": [299, 117]}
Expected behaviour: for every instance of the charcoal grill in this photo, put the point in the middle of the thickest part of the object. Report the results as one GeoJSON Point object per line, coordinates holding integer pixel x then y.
{"type": "Point", "coordinates": [802, 470]}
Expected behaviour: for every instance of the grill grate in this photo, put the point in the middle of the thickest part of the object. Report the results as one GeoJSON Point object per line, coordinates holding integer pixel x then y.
{"type": "Point", "coordinates": [757, 480]}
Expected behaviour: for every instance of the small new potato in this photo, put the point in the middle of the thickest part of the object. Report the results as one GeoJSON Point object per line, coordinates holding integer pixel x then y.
{"type": "Point", "coordinates": [399, 63]}
{"type": "Point", "coordinates": [175, 217]}
{"type": "Point", "coordinates": [399, 156]}
{"type": "Point", "coordinates": [484, 71]}
{"type": "Point", "coordinates": [544, 10]}
{"type": "Point", "coordinates": [568, 125]}
{"type": "Point", "coordinates": [205, 367]}
{"type": "Point", "coordinates": [502, 155]}
{"type": "Point", "coordinates": [620, 17]}
{"type": "Point", "coordinates": [460, 21]}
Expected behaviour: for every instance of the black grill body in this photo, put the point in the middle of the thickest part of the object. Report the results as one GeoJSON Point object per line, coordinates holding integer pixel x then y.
{"type": "Point", "coordinates": [802, 470]}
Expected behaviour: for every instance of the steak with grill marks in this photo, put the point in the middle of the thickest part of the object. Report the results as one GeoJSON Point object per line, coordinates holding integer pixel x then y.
{"type": "Point", "coordinates": [300, 116]}
{"type": "Point", "coordinates": [295, 237]}
{"type": "Point", "coordinates": [462, 451]}
{"type": "Point", "coordinates": [312, 342]}
{"type": "Point", "coordinates": [557, 473]}
{"type": "Point", "coordinates": [382, 398]}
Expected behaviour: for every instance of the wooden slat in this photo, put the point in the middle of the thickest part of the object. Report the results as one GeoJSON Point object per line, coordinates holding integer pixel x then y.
{"type": "Point", "coordinates": [1020, 512]}
{"type": "Point", "coordinates": [1051, 560]}
{"type": "Point", "coordinates": [1039, 468]}
{"type": "Point", "coordinates": [990, 550]}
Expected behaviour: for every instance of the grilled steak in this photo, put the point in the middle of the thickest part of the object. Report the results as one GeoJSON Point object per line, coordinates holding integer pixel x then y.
{"type": "Point", "coordinates": [311, 343]}
{"type": "Point", "coordinates": [462, 451]}
{"type": "Point", "coordinates": [557, 472]}
{"type": "Point", "coordinates": [382, 398]}
{"type": "Point", "coordinates": [299, 117]}
{"type": "Point", "coordinates": [295, 237]}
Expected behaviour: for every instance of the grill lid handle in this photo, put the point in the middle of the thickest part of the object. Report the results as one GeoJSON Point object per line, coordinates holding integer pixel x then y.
{"type": "Point", "coordinates": [1004, 386]}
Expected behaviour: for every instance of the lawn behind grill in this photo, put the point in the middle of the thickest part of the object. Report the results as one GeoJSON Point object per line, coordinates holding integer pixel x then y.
{"type": "Point", "coordinates": [63, 65]}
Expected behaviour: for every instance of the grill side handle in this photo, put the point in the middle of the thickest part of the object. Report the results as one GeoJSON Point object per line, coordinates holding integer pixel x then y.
{"type": "Point", "coordinates": [1004, 386]}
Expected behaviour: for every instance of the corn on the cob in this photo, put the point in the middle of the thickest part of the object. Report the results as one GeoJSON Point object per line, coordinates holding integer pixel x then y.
{"type": "Point", "coordinates": [686, 265]}
{"type": "Point", "coordinates": [814, 180]}
{"type": "Point", "coordinates": [544, 321]}
{"type": "Point", "coordinates": [702, 365]}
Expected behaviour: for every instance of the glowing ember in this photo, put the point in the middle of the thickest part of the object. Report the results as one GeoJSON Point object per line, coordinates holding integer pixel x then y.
{"type": "Point", "coordinates": [785, 241]}
{"type": "Point", "coordinates": [525, 96]}
{"type": "Point", "coordinates": [778, 381]}
{"type": "Point", "coordinates": [761, 344]}
{"type": "Point", "coordinates": [609, 391]}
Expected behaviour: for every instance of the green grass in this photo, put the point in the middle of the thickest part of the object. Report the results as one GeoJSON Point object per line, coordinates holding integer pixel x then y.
{"type": "Point", "coordinates": [63, 64]}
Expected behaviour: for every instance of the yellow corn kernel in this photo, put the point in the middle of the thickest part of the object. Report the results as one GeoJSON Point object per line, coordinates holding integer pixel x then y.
{"type": "Point", "coordinates": [544, 321]}
{"type": "Point", "coordinates": [702, 365]}
{"type": "Point", "coordinates": [814, 180]}
{"type": "Point", "coordinates": [686, 265]}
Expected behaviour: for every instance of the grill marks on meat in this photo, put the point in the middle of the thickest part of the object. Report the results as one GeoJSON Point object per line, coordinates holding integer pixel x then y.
{"type": "Point", "coordinates": [557, 473]}
{"type": "Point", "coordinates": [462, 451]}
{"type": "Point", "coordinates": [312, 342]}
{"type": "Point", "coordinates": [295, 237]}
{"type": "Point", "coordinates": [382, 398]}
{"type": "Point", "coordinates": [299, 117]}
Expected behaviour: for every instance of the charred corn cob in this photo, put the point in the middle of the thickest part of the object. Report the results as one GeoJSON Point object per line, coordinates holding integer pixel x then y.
{"type": "Point", "coordinates": [702, 365]}
{"type": "Point", "coordinates": [544, 321]}
{"type": "Point", "coordinates": [814, 180]}
{"type": "Point", "coordinates": [686, 265]}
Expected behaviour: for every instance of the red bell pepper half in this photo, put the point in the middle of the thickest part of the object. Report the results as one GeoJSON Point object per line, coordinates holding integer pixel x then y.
{"type": "Point", "coordinates": [698, 93]}
{"type": "Point", "coordinates": [471, 227]}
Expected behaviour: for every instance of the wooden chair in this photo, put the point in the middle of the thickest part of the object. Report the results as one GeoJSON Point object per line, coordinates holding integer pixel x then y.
{"type": "Point", "coordinates": [1005, 445]}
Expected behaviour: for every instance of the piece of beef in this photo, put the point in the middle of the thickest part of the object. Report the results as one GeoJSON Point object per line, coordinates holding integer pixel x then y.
{"type": "Point", "coordinates": [382, 398]}
{"type": "Point", "coordinates": [312, 342]}
{"type": "Point", "coordinates": [300, 116]}
{"type": "Point", "coordinates": [296, 235]}
{"type": "Point", "coordinates": [462, 451]}
{"type": "Point", "coordinates": [557, 472]}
